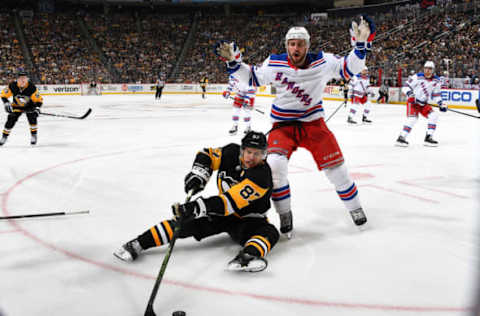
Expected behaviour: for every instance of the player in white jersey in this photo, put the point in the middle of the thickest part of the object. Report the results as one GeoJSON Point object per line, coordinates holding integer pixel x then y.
{"type": "Point", "coordinates": [360, 91]}
{"type": "Point", "coordinates": [244, 100]}
{"type": "Point", "coordinates": [297, 110]}
{"type": "Point", "coordinates": [445, 81]}
{"type": "Point", "coordinates": [422, 89]}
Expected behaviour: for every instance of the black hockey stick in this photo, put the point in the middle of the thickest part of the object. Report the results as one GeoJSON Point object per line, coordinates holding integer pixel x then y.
{"type": "Point", "coordinates": [459, 112]}
{"type": "Point", "coordinates": [176, 231]}
{"type": "Point", "coordinates": [44, 214]}
{"type": "Point", "coordinates": [338, 108]}
{"type": "Point", "coordinates": [69, 116]}
{"type": "Point", "coordinates": [259, 111]}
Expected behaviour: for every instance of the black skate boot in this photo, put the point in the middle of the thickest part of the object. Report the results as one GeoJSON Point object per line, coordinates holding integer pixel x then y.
{"type": "Point", "coordinates": [129, 251]}
{"type": "Point", "coordinates": [358, 216]}
{"type": "Point", "coordinates": [248, 129]}
{"type": "Point", "coordinates": [366, 120]}
{"type": "Point", "coordinates": [233, 130]}
{"type": "Point", "coordinates": [286, 224]}
{"type": "Point", "coordinates": [3, 140]}
{"type": "Point", "coordinates": [351, 121]}
{"type": "Point", "coordinates": [401, 142]}
{"type": "Point", "coordinates": [429, 141]}
{"type": "Point", "coordinates": [33, 140]}
{"type": "Point", "coordinates": [247, 262]}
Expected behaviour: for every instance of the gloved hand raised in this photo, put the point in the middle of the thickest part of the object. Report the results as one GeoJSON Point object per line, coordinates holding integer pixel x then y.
{"type": "Point", "coordinates": [363, 32]}
{"type": "Point", "coordinates": [228, 51]}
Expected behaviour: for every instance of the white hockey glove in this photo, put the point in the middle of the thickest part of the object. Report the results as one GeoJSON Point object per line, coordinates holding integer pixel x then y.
{"type": "Point", "coordinates": [228, 52]}
{"type": "Point", "coordinates": [8, 107]}
{"type": "Point", "coordinates": [362, 35]}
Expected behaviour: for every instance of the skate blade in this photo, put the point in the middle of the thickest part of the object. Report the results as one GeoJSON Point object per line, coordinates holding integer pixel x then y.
{"type": "Point", "coordinates": [253, 266]}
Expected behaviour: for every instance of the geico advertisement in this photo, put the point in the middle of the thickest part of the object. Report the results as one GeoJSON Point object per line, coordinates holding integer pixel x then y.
{"type": "Point", "coordinates": [460, 97]}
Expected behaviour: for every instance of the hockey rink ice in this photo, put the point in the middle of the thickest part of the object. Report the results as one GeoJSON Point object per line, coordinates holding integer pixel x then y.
{"type": "Point", "coordinates": [126, 162]}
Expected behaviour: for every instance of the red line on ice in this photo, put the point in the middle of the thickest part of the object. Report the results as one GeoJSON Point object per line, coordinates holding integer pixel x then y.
{"type": "Point", "coordinates": [282, 299]}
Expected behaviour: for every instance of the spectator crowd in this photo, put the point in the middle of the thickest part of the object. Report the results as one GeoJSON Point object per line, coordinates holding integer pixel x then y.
{"type": "Point", "coordinates": [143, 45]}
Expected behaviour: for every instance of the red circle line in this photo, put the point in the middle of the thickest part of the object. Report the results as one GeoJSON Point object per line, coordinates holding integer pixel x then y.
{"type": "Point", "coordinates": [291, 300]}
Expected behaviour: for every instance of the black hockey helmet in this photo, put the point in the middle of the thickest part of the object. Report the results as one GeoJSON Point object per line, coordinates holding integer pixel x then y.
{"type": "Point", "coordinates": [22, 72]}
{"type": "Point", "coordinates": [255, 140]}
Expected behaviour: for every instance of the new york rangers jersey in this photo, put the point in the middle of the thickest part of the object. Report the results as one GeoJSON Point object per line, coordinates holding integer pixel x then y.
{"type": "Point", "coordinates": [299, 91]}
{"type": "Point", "coordinates": [360, 86]}
{"type": "Point", "coordinates": [424, 90]}
{"type": "Point", "coordinates": [241, 88]}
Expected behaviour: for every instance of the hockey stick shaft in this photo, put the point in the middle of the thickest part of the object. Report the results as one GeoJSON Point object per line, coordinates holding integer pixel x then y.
{"type": "Point", "coordinates": [338, 108]}
{"type": "Point", "coordinates": [149, 311]}
{"type": "Point", "coordinates": [454, 111]}
{"type": "Point", "coordinates": [44, 214]}
{"type": "Point", "coordinates": [69, 116]}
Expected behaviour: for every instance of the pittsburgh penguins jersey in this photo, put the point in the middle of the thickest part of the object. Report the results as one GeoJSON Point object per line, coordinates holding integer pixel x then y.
{"type": "Point", "coordinates": [203, 82]}
{"type": "Point", "coordinates": [23, 98]}
{"type": "Point", "coordinates": [242, 192]}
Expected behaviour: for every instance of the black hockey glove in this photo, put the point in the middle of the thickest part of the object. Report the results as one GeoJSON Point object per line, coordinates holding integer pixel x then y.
{"type": "Point", "coordinates": [189, 210]}
{"type": "Point", "coordinates": [197, 179]}
{"type": "Point", "coordinates": [8, 107]}
{"type": "Point", "coordinates": [33, 109]}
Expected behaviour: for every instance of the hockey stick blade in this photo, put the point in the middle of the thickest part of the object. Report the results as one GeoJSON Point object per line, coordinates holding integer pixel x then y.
{"type": "Point", "coordinates": [69, 116]}
{"type": "Point", "coordinates": [458, 112]}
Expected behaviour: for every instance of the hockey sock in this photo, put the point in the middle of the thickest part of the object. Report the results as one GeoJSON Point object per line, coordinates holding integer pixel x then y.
{"type": "Point", "coordinates": [281, 188]}
{"type": "Point", "coordinates": [157, 235]}
{"type": "Point", "coordinates": [432, 122]}
{"type": "Point", "coordinates": [345, 187]}
{"type": "Point", "coordinates": [409, 124]}
{"type": "Point", "coordinates": [257, 246]}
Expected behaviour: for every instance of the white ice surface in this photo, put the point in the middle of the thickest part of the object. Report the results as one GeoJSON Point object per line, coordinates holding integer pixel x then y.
{"type": "Point", "coordinates": [126, 162]}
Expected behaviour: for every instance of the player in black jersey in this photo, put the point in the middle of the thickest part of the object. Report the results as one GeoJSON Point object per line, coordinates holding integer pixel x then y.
{"type": "Point", "coordinates": [344, 87]}
{"type": "Point", "coordinates": [245, 185]}
{"type": "Point", "coordinates": [159, 87]}
{"type": "Point", "coordinates": [26, 98]}
{"type": "Point", "coordinates": [203, 85]}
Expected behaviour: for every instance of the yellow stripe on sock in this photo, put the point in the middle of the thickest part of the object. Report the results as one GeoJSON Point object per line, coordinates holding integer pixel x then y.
{"type": "Point", "coordinates": [153, 230]}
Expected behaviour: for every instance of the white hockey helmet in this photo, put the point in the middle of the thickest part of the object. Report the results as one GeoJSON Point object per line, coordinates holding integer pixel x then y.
{"type": "Point", "coordinates": [297, 32]}
{"type": "Point", "coordinates": [429, 64]}
{"type": "Point", "coordinates": [365, 68]}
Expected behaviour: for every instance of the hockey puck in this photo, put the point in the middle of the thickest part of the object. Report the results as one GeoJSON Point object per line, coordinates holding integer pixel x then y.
{"type": "Point", "coordinates": [179, 313]}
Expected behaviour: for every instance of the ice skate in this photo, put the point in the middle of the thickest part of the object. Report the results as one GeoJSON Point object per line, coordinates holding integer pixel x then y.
{"type": "Point", "coordinates": [129, 251]}
{"type": "Point", "coordinates": [366, 120]}
{"type": "Point", "coordinates": [248, 129]}
{"type": "Point", "coordinates": [247, 262]}
{"type": "Point", "coordinates": [33, 140]}
{"type": "Point", "coordinates": [3, 140]}
{"type": "Point", "coordinates": [429, 141]}
{"type": "Point", "coordinates": [351, 121]}
{"type": "Point", "coordinates": [401, 142]}
{"type": "Point", "coordinates": [286, 224]}
{"type": "Point", "coordinates": [233, 130]}
{"type": "Point", "coordinates": [358, 216]}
